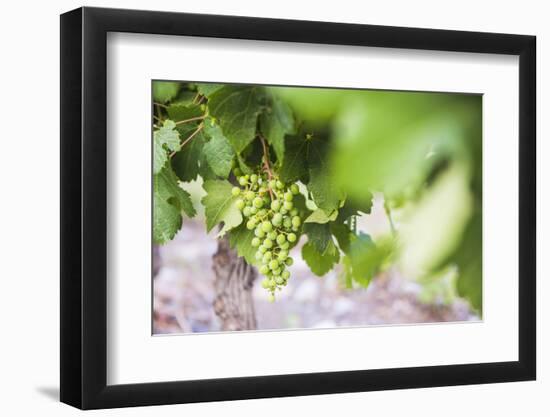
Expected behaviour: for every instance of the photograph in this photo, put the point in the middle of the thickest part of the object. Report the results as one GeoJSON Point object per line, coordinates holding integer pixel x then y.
{"type": "Point", "coordinates": [284, 207]}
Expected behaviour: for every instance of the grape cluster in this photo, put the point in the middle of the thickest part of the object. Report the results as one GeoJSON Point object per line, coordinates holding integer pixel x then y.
{"type": "Point", "coordinates": [268, 207]}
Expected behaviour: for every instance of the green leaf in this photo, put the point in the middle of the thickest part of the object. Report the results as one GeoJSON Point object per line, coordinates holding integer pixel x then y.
{"type": "Point", "coordinates": [277, 123]}
{"type": "Point", "coordinates": [218, 151]}
{"type": "Point", "coordinates": [169, 200]}
{"type": "Point", "coordinates": [240, 238]}
{"type": "Point", "coordinates": [352, 207]}
{"type": "Point", "coordinates": [164, 91]}
{"type": "Point", "coordinates": [166, 185]}
{"type": "Point", "coordinates": [434, 229]}
{"type": "Point", "coordinates": [366, 258]}
{"type": "Point", "coordinates": [186, 162]}
{"type": "Point", "coordinates": [243, 165]}
{"type": "Point", "coordinates": [318, 263]}
{"type": "Point", "coordinates": [343, 235]}
{"type": "Point", "coordinates": [219, 206]}
{"type": "Point", "coordinates": [237, 109]}
{"type": "Point", "coordinates": [182, 111]}
{"type": "Point", "coordinates": [318, 235]}
{"type": "Point", "coordinates": [321, 217]}
{"type": "Point", "coordinates": [294, 166]}
{"type": "Point", "coordinates": [208, 89]}
{"type": "Point", "coordinates": [468, 257]}
{"type": "Point", "coordinates": [166, 220]}
{"type": "Point", "coordinates": [165, 137]}
{"type": "Point", "coordinates": [327, 195]}
{"type": "Point", "coordinates": [390, 141]}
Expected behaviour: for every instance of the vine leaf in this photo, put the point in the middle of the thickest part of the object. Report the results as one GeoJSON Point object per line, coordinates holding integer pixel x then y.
{"type": "Point", "coordinates": [320, 263]}
{"type": "Point", "coordinates": [218, 151]}
{"type": "Point", "coordinates": [277, 123]}
{"type": "Point", "coordinates": [208, 89]}
{"type": "Point", "coordinates": [165, 137]}
{"type": "Point", "coordinates": [183, 111]}
{"type": "Point", "coordinates": [318, 235]}
{"type": "Point", "coordinates": [164, 91]}
{"type": "Point", "coordinates": [219, 206]}
{"type": "Point", "coordinates": [237, 109]}
{"type": "Point", "coordinates": [326, 194]}
{"type": "Point", "coordinates": [321, 217]}
{"type": "Point", "coordinates": [240, 239]}
{"type": "Point", "coordinates": [366, 259]}
{"type": "Point", "coordinates": [186, 162]}
{"type": "Point", "coordinates": [169, 201]}
{"type": "Point", "coordinates": [294, 165]}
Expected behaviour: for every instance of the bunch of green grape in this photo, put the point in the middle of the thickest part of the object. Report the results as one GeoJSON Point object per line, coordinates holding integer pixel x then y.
{"type": "Point", "coordinates": [268, 207]}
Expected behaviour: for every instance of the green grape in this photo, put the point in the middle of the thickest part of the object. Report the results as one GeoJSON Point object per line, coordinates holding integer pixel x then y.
{"type": "Point", "coordinates": [286, 274]}
{"type": "Point", "coordinates": [276, 272]}
{"type": "Point", "coordinates": [259, 232]}
{"type": "Point", "coordinates": [283, 210]}
{"type": "Point", "coordinates": [265, 283]}
{"type": "Point", "coordinates": [295, 228]}
{"type": "Point", "coordinates": [283, 254]}
{"type": "Point", "coordinates": [285, 245]}
{"type": "Point", "coordinates": [289, 261]}
{"type": "Point", "coordinates": [253, 210]}
{"type": "Point", "coordinates": [296, 221]}
{"type": "Point", "coordinates": [288, 205]}
{"type": "Point", "coordinates": [264, 269]}
{"type": "Point", "coordinates": [262, 249]}
{"type": "Point", "coordinates": [253, 178]}
{"type": "Point", "coordinates": [287, 223]}
{"type": "Point", "coordinates": [279, 185]}
{"type": "Point", "coordinates": [272, 184]}
{"type": "Point", "coordinates": [281, 239]}
{"type": "Point", "coordinates": [249, 195]}
{"type": "Point", "coordinates": [291, 237]}
{"type": "Point", "coordinates": [289, 196]}
{"type": "Point", "coordinates": [279, 280]}
{"type": "Point", "coordinates": [277, 219]}
{"type": "Point", "coordinates": [267, 257]}
{"type": "Point", "coordinates": [237, 172]}
{"type": "Point", "coordinates": [239, 204]}
{"type": "Point", "coordinates": [235, 191]}
{"type": "Point", "coordinates": [275, 205]}
{"type": "Point", "coordinates": [294, 189]}
{"type": "Point", "coordinates": [272, 235]}
{"type": "Point", "coordinates": [258, 202]}
{"type": "Point", "coordinates": [251, 224]}
{"type": "Point", "coordinates": [266, 226]}
{"type": "Point", "coordinates": [271, 298]}
{"type": "Point", "coordinates": [242, 181]}
{"type": "Point", "coordinates": [273, 264]}
{"type": "Point", "coordinates": [293, 212]}
{"type": "Point", "coordinates": [268, 243]}
{"type": "Point", "coordinates": [262, 212]}
{"type": "Point", "coordinates": [246, 211]}
{"type": "Point", "coordinates": [259, 255]}
{"type": "Point", "coordinates": [256, 242]}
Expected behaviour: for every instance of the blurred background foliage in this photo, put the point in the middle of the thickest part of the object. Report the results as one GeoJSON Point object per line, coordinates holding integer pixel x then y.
{"type": "Point", "coordinates": [423, 153]}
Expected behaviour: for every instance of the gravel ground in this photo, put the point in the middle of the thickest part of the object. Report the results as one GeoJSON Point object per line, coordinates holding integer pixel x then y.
{"type": "Point", "coordinates": [183, 295]}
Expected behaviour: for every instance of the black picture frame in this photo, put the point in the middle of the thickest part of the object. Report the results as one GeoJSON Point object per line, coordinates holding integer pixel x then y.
{"type": "Point", "coordinates": [84, 207]}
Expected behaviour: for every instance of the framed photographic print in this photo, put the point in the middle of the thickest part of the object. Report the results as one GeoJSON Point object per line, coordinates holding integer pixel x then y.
{"type": "Point", "coordinates": [258, 208]}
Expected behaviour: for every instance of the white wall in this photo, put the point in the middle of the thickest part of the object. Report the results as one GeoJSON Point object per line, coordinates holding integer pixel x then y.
{"type": "Point", "coordinates": [29, 210]}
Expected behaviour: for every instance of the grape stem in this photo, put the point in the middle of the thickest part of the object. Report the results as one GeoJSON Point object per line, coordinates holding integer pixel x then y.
{"type": "Point", "coordinates": [192, 119]}
{"type": "Point", "coordinates": [266, 165]}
